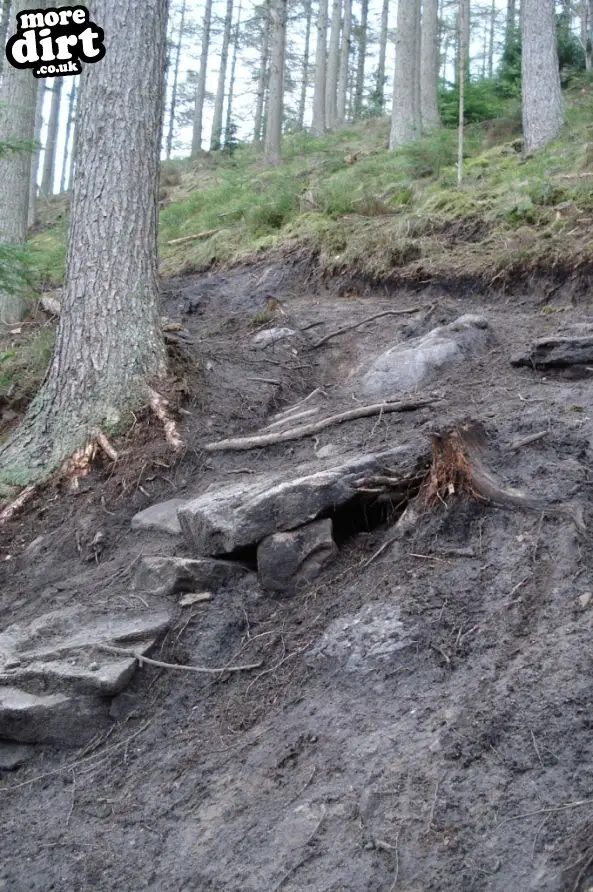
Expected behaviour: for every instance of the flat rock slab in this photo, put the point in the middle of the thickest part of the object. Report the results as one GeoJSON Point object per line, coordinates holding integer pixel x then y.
{"type": "Point", "coordinates": [270, 336]}
{"type": "Point", "coordinates": [13, 755]}
{"type": "Point", "coordinates": [161, 575]}
{"type": "Point", "coordinates": [237, 515]}
{"type": "Point", "coordinates": [405, 366]}
{"type": "Point", "coordinates": [557, 352]}
{"type": "Point", "coordinates": [161, 517]}
{"type": "Point", "coordinates": [57, 671]}
{"type": "Point", "coordinates": [288, 562]}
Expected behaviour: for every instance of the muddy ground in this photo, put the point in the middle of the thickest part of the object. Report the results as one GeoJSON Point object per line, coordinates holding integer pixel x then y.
{"type": "Point", "coordinates": [441, 741]}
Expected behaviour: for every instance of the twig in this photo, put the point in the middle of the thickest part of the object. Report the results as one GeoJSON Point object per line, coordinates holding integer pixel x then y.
{"type": "Point", "coordinates": [525, 441]}
{"type": "Point", "coordinates": [296, 406]}
{"type": "Point", "coordinates": [380, 550]}
{"type": "Point", "coordinates": [306, 413]}
{"type": "Point", "coordinates": [339, 331]}
{"type": "Point", "coordinates": [305, 430]}
{"type": "Point", "coordinates": [434, 805]}
{"type": "Point", "coordinates": [395, 878]}
{"type": "Point", "coordinates": [14, 506]}
{"type": "Point", "coordinates": [263, 380]}
{"type": "Point", "coordinates": [192, 238]}
{"type": "Point", "coordinates": [204, 670]}
{"type": "Point", "coordinates": [535, 747]}
{"type": "Point", "coordinates": [547, 811]}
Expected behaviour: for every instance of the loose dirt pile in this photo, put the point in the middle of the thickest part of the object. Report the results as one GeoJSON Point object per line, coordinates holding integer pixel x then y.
{"type": "Point", "coordinates": [421, 719]}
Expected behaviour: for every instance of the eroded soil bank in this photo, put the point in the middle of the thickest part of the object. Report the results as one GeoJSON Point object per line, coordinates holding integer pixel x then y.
{"type": "Point", "coordinates": [421, 719]}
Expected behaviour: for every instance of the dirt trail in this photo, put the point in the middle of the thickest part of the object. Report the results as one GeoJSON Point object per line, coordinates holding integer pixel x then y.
{"type": "Point", "coordinates": [422, 721]}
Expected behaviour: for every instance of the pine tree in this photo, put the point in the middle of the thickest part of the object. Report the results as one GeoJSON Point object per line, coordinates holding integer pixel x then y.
{"type": "Point", "coordinates": [275, 91]}
{"type": "Point", "coordinates": [196, 143]}
{"type": "Point", "coordinates": [543, 110]}
{"type": "Point", "coordinates": [318, 123]}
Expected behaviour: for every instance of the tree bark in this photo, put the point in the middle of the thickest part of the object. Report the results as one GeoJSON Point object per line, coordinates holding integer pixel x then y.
{"type": "Point", "coordinates": [491, 40]}
{"type": "Point", "coordinates": [215, 139]}
{"type": "Point", "coordinates": [196, 142]}
{"type": "Point", "coordinates": [4, 22]}
{"type": "Point", "coordinates": [49, 155]}
{"type": "Point", "coordinates": [362, 53]}
{"type": "Point", "coordinates": [463, 53]}
{"type": "Point", "coordinates": [380, 90]}
{"type": "Point", "coordinates": [318, 122]}
{"type": "Point", "coordinates": [333, 64]}
{"type": "Point", "coordinates": [74, 137]}
{"type": "Point", "coordinates": [275, 98]}
{"type": "Point", "coordinates": [404, 115]}
{"type": "Point", "coordinates": [175, 81]}
{"type": "Point", "coordinates": [36, 154]}
{"type": "Point", "coordinates": [229, 108]}
{"type": "Point", "coordinates": [344, 59]}
{"type": "Point", "coordinates": [543, 110]}
{"type": "Point", "coordinates": [109, 346]}
{"type": "Point", "coordinates": [305, 77]}
{"type": "Point", "coordinates": [263, 75]}
{"type": "Point", "coordinates": [429, 64]}
{"type": "Point", "coordinates": [586, 32]}
{"type": "Point", "coordinates": [18, 100]}
{"type": "Point", "coordinates": [69, 125]}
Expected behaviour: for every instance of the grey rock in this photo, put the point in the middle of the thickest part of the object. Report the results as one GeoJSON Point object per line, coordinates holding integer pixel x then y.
{"type": "Point", "coordinates": [287, 562]}
{"type": "Point", "coordinates": [240, 514]}
{"type": "Point", "coordinates": [557, 352]}
{"type": "Point", "coordinates": [161, 575]}
{"type": "Point", "coordinates": [271, 336]}
{"type": "Point", "coordinates": [13, 755]}
{"type": "Point", "coordinates": [327, 451]}
{"type": "Point", "coordinates": [161, 517]}
{"type": "Point", "coordinates": [405, 366]}
{"type": "Point", "coordinates": [50, 718]}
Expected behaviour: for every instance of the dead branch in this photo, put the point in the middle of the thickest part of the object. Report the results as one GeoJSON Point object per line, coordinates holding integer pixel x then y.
{"type": "Point", "coordinates": [340, 331]}
{"type": "Point", "coordinates": [160, 407]}
{"type": "Point", "coordinates": [525, 441]}
{"type": "Point", "coordinates": [203, 670]}
{"type": "Point", "coordinates": [305, 430]}
{"type": "Point", "coordinates": [192, 238]}
{"type": "Point", "coordinates": [11, 509]}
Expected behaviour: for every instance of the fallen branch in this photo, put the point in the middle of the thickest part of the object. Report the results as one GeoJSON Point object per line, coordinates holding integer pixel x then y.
{"type": "Point", "coordinates": [202, 670]}
{"type": "Point", "coordinates": [295, 433]}
{"type": "Point", "coordinates": [192, 238]}
{"type": "Point", "coordinates": [525, 441]}
{"type": "Point", "coordinates": [339, 331]}
{"type": "Point", "coordinates": [24, 496]}
{"type": "Point", "coordinates": [160, 407]}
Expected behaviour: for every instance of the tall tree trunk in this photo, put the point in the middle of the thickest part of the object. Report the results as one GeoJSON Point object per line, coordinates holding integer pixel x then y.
{"type": "Point", "coordinates": [31, 210]}
{"type": "Point", "coordinates": [430, 65]}
{"type": "Point", "coordinates": [215, 139]}
{"type": "Point", "coordinates": [491, 40]}
{"type": "Point", "coordinates": [75, 120]}
{"type": "Point", "coordinates": [362, 53]}
{"type": "Point", "coordinates": [463, 49]}
{"type": "Point", "coordinates": [18, 100]}
{"type": "Point", "coordinates": [51, 142]}
{"type": "Point", "coordinates": [305, 81]}
{"type": "Point", "coordinates": [586, 31]}
{"type": "Point", "coordinates": [404, 115]}
{"type": "Point", "coordinates": [196, 141]}
{"type": "Point", "coordinates": [263, 75]}
{"type": "Point", "coordinates": [229, 106]}
{"type": "Point", "coordinates": [109, 348]}
{"type": "Point", "coordinates": [333, 64]}
{"type": "Point", "coordinates": [543, 110]}
{"type": "Point", "coordinates": [418, 68]}
{"type": "Point", "coordinates": [4, 22]}
{"type": "Point", "coordinates": [380, 90]}
{"type": "Point", "coordinates": [69, 124]}
{"type": "Point", "coordinates": [275, 98]}
{"type": "Point", "coordinates": [175, 81]}
{"type": "Point", "coordinates": [344, 59]}
{"type": "Point", "coordinates": [318, 122]}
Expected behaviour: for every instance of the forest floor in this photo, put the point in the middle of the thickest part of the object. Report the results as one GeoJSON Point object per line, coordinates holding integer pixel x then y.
{"type": "Point", "coordinates": [460, 760]}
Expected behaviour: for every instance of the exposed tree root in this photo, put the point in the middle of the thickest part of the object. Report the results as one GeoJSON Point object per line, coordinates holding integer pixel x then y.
{"type": "Point", "coordinates": [160, 407]}
{"type": "Point", "coordinates": [11, 509]}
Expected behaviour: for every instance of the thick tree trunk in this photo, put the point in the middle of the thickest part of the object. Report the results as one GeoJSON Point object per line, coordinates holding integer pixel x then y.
{"type": "Point", "coordinates": [262, 79]}
{"type": "Point", "coordinates": [333, 64]}
{"type": "Point", "coordinates": [404, 115]}
{"type": "Point", "coordinates": [74, 136]}
{"type": "Point", "coordinates": [344, 60]}
{"type": "Point", "coordinates": [175, 81]}
{"type": "Point", "coordinates": [109, 346]}
{"type": "Point", "coordinates": [380, 90]}
{"type": "Point", "coordinates": [463, 53]}
{"type": "Point", "coordinates": [216, 136]}
{"type": "Point", "coordinates": [430, 65]}
{"type": "Point", "coordinates": [543, 110]}
{"type": "Point", "coordinates": [491, 40]}
{"type": "Point", "coordinates": [586, 31]}
{"type": "Point", "coordinates": [318, 122]}
{"type": "Point", "coordinates": [275, 98]}
{"type": "Point", "coordinates": [305, 77]}
{"type": "Point", "coordinates": [362, 54]}
{"type": "Point", "coordinates": [31, 210]}
{"type": "Point", "coordinates": [51, 142]}
{"type": "Point", "coordinates": [18, 100]}
{"type": "Point", "coordinates": [196, 142]}
{"type": "Point", "coordinates": [4, 22]}
{"type": "Point", "coordinates": [69, 125]}
{"type": "Point", "coordinates": [229, 107]}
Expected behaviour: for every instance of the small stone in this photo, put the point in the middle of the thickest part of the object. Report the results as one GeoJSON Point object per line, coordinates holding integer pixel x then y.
{"type": "Point", "coordinates": [161, 517]}
{"type": "Point", "coordinates": [272, 336]}
{"type": "Point", "coordinates": [585, 599]}
{"type": "Point", "coordinates": [289, 561]}
{"type": "Point", "coordinates": [93, 667]}
{"type": "Point", "coordinates": [194, 598]}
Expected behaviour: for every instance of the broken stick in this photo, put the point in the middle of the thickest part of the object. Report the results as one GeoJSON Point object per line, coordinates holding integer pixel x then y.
{"type": "Point", "coordinates": [192, 238]}
{"type": "Point", "coordinates": [339, 331]}
{"type": "Point", "coordinates": [304, 430]}
{"type": "Point", "coordinates": [203, 670]}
